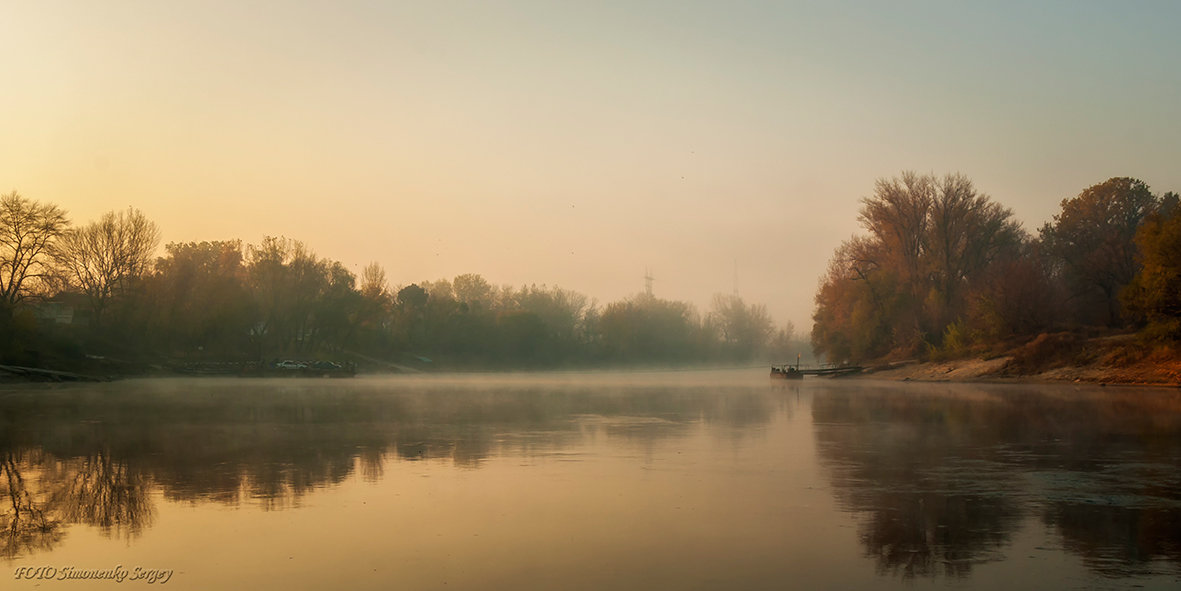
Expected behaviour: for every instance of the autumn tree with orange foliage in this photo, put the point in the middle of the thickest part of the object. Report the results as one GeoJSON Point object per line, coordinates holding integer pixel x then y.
{"type": "Point", "coordinates": [1154, 295]}
{"type": "Point", "coordinates": [897, 291]}
{"type": "Point", "coordinates": [1093, 241]}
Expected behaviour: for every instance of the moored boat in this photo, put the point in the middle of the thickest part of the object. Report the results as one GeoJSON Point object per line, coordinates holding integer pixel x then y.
{"type": "Point", "coordinates": [786, 372]}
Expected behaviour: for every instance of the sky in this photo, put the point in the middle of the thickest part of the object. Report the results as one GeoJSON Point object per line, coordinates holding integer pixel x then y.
{"type": "Point", "coordinates": [718, 146]}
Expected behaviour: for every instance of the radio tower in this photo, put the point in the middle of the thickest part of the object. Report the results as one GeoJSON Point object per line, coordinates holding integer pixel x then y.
{"type": "Point", "coordinates": [648, 279]}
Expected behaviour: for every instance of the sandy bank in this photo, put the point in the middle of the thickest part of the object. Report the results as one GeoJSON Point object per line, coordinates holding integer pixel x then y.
{"type": "Point", "coordinates": [1054, 358]}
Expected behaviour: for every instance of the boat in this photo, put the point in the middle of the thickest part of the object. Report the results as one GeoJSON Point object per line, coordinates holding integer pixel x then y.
{"type": "Point", "coordinates": [786, 372]}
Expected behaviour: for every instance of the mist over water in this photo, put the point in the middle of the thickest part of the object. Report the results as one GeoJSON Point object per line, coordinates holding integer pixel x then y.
{"type": "Point", "coordinates": [696, 479]}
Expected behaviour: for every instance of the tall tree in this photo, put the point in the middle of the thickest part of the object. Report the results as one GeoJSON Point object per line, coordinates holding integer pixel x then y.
{"type": "Point", "coordinates": [968, 232]}
{"type": "Point", "coordinates": [745, 329]}
{"type": "Point", "coordinates": [199, 299]}
{"type": "Point", "coordinates": [373, 308]}
{"type": "Point", "coordinates": [287, 281]}
{"type": "Point", "coordinates": [339, 307]}
{"type": "Point", "coordinates": [646, 329]}
{"type": "Point", "coordinates": [373, 282]}
{"type": "Point", "coordinates": [29, 232]}
{"type": "Point", "coordinates": [859, 306]}
{"type": "Point", "coordinates": [473, 290]}
{"type": "Point", "coordinates": [560, 310]}
{"type": "Point", "coordinates": [410, 317]}
{"type": "Point", "coordinates": [1092, 238]}
{"type": "Point", "coordinates": [102, 258]}
{"type": "Point", "coordinates": [1016, 295]}
{"type": "Point", "coordinates": [898, 216]}
{"type": "Point", "coordinates": [1154, 294]}
{"type": "Point", "coordinates": [896, 291]}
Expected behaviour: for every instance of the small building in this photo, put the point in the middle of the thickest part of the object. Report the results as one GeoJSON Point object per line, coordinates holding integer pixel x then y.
{"type": "Point", "coordinates": [55, 312]}
{"type": "Point", "coordinates": [65, 309]}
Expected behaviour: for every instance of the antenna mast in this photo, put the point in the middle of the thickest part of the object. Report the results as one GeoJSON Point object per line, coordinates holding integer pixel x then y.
{"type": "Point", "coordinates": [648, 279]}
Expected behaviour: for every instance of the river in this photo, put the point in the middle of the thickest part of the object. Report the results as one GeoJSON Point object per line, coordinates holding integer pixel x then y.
{"type": "Point", "coordinates": [646, 480]}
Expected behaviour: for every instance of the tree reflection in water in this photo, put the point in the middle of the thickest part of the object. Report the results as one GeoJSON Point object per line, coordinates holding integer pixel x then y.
{"type": "Point", "coordinates": [44, 494]}
{"type": "Point", "coordinates": [93, 454]}
{"type": "Point", "coordinates": [929, 510]}
{"type": "Point", "coordinates": [27, 525]}
{"type": "Point", "coordinates": [96, 490]}
{"type": "Point", "coordinates": [943, 476]}
{"type": "Point", "coordinates": [946, 475]}
{"type": "Point", "coordinates": [1118, 541]}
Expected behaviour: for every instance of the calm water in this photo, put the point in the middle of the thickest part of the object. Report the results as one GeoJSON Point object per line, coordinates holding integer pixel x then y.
{"type": "Point", "coordinates": [691, 480]}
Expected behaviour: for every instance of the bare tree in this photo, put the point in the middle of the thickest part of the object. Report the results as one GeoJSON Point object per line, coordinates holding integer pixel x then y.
{"type": "Point", "coordinates": [373, 282]}
{"type": "Point", "coordinates": [745, 329]}
{"type": "Point", "coordinates": [29, 232]}
{"type": "Point", "coordinates": [898, 216]}
{"type": "Point", "coordinates": [968, 232]}
{"type": "Point", "coordinates": [103, 257]}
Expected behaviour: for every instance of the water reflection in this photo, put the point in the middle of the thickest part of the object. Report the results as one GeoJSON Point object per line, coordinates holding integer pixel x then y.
{"type": "Point", "coordinates": [93, 455]}
{"type": "Point", "coordinates": [27, 525]}
{"type": "Point", "coordinates": [945, 476]}
{"type": "Point", "coordinates": [44, 493]}
{"type": "Point", "coordinates": [939, 480]}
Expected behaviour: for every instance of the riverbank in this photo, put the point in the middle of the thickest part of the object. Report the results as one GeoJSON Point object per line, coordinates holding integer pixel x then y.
{"type": "Point", "coordinates": [15, 373]}
{"type": "Point", "coordinates": [1054, 358]}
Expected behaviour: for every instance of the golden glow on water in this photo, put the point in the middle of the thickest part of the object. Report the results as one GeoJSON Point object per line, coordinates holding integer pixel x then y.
{"type": "Point", "coordinates": [647, 481]}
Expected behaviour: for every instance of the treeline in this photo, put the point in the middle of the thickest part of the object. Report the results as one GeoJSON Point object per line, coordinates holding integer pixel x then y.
{"type": "Point", "coordinates": [100, 290]}
{"type": "Point", "coordinates": [944, 270]}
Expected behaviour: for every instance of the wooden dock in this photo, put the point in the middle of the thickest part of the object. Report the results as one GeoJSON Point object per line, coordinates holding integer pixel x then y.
{"type": "Point", "coordinates": [832, 371]}
{"type": "Point", "coordinates": [823, 370]}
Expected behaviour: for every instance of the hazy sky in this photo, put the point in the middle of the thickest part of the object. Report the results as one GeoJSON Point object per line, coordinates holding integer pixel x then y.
{"type": "Point", "coordinates": [577, 143]}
